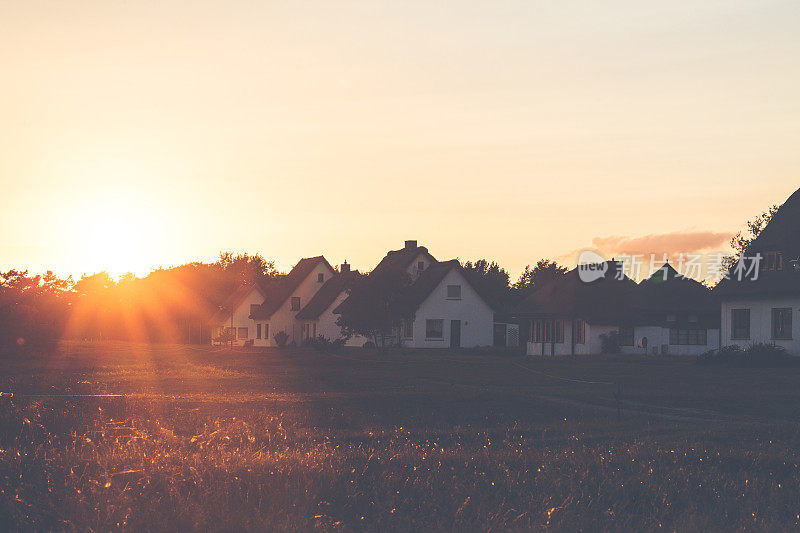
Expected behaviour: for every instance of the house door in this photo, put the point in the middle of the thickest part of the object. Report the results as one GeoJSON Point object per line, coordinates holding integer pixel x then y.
{"type": "Point", "coordinates": [455, 333]}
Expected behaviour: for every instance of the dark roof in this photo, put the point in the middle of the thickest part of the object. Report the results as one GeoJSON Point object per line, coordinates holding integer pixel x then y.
{"type": "Point", "coordinates": [668, 292]}
{"type": "Point", "coordinates": [280, 291]}
{"type": "Point", "coordinates": [402, 258]}
{"type": "Point", "coordinates": [327, 294]}
{"type": "Point", "coordinates": [781, 234]}
{"type": "Point", "coordinates": [234, 300]}
{"type": "Point", "coordinates": [604, 301]}
{"type": "Point", "coordinates": [425, 284]}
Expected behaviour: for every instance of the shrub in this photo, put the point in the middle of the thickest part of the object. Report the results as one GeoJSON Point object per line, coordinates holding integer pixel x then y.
{"type": "Point", "coordinates": [225, 337]}
{"type": "Point", "coordinates": [280, 338]}
{"type": "Point", "coordinates": [324, 344]}
{"type": "Point", "coordinates": [609, 342]}
{"type": "Point", "coordinates": [756, 355]}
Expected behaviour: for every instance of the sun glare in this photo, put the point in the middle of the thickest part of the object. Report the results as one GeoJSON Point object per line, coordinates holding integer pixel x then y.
{"type": "Point", "coordinates": [116, 235]}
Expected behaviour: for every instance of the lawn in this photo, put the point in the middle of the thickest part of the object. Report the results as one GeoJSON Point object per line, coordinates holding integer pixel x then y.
{"type": "Point", "coordinates": [119, 436]}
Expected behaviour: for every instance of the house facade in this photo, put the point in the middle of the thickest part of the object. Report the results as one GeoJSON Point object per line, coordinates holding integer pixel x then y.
{"type": "Point", "coordinates": [568, 316]}
{"type": "Point", "coordinates": [256, 313]}
{"type": "Point", "coordinates": [760, 298]}
{"type": "Point", "coordinates": [317, 318]}
{"type": "Point", "coordinates": [450, 313]}
{"type": "Point", "coordinates": [672, 314]}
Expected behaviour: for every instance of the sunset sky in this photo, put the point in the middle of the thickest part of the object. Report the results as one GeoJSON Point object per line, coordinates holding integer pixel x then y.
{"type": "Point", "coordinates": [139, 134]}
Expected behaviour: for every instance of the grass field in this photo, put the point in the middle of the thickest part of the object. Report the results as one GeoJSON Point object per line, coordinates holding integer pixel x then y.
{"type": "Point", "coordinates": [118, 436]}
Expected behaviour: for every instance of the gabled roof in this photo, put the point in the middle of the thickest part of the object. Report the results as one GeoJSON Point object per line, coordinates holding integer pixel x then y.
{"type": "Point", "coordinates": [781, 234]}
{"type": "Point", "coordinates": [430, 278]}
{"type": "Point", "coordinates": [668, 292]}
{"type": "Point", "coordinates": [604, 301]}
{"type": "Point", "coordinates": [425, 284]}
{"type": "Point", "coordinates": [327, 294]}
{"type": "Point", "coordinates": [402, 258]}
{"type": "Point", "coordinates": [234, 300]}
{"type": "Point", "coordinates": [279, 292]}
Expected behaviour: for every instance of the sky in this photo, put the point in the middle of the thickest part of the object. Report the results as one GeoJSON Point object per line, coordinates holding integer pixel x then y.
{"type": "Point", "coordinates": [144, 134]}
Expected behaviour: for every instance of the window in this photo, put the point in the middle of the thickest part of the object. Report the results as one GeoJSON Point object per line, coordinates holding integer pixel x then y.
{"type": "Point", "coordinates": [295, 303]}
{"type": "Point", "coordinates": [782, 323]}
{"type": "Point", "coordinates": [672, 318]}
{"type": "Point", "coordinates": [266, 331]}
{"type": "Point", "coordinates": [421, 265]}
{"type": "Point", "coordinates": [454, 292]}
{"type": "Point", "coordinates": [547, 330]}
{"type": "Point", "coordinates": [254, 309]}
{"type": "Point", "coordinates": [306, 331]}
{"type": "Point", "coordinates": [690, 337]}
{"type": "Point", "coordinates": [740, 324]}
{"type": "Point", "coordinates": [626, 336]}
{"type": "Point", "coordinates": [242, 333]}
{"type": "Point", "coordinates": [434, 328]}
{"type": "Point", "coordinates": [320, 278]}
{"type": "Point", "coordinates": [579, 331]}
{"type": "Point", "coordinates": [772, 261]}
{"type": "Point", "coordinates": [559, 325]}
{"type": "Point", "coordinates": [408, 329]}
{"type": "Point", "coordinates": [258, 331]}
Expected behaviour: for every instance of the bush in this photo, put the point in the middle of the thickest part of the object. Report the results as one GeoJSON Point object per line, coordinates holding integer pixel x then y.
{"type": "Point", "coordinates": [324, 344]}
{"type": "Point", "coordinates": [609, 342]}
{"type": "Point", "coordinates": [756, 355]}
{"type": "Point", "coordinates": [280, 338]}
{"type": "Point", "coordinates": [225, 337]}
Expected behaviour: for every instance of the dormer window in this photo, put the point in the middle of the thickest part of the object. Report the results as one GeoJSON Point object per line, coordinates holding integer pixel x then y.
{"type": "Point", "coordinates": [772, 261]}
{"type": "Point", "coordinates": [421, 265]}
{"type": "Point", "coordinates": [320, 277]}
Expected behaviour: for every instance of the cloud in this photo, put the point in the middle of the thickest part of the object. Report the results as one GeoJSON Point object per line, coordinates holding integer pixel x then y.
{"type": "Point", "coordinates": [672, 244]}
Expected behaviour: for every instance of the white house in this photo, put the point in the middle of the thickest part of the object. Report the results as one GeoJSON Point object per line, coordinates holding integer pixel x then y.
{"type": "Point", "coordinates": [318, 318]}
{"type": "Point", "coordinates": [568, 316]}
{"type": "Point", "coordinates": [759, 305]}
{"type": "Point", "coordinates": [257, 313]}
{"type": "Point", "coordinates": [449, 312]}
{"type": "Point", "coordinates": [671, 314]}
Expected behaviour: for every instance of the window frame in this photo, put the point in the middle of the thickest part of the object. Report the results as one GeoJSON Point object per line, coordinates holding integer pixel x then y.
{"type": "Point", "coordinates": [258, 331]}
{"type": "Point", "coordinates": [428, 329]}
{"type": "Point", "coordinates": [449, 296]}
{"type": "Point", "coordinates": [239, 335]}
{"type": "Point", "coordinates": [295, 299]}
{"type": "Point", "coordinates": [625, 336]}
{"type": "Point", "coordinates": [743, 311]}
{"type": "Point", "coordinates": [688, 337]}
{"type": "Point", "coordinates": [785, 312]}
{"type": "Point", "coordinates": [579, 331]}
{"type": "Point", "coordinates": [320, 278]}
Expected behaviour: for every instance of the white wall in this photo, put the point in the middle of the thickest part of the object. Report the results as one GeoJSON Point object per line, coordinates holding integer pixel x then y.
{"type": "Point", "coordinates": [477, 318]}
{"type": "Point", "coordinates": [328, 328]}
{"type": "Point", "coordinates": [761, 321]}
{"type": "Point", "coordinates": [241, 317]}
{"type": "Point", "coordinates": [283, 319]}
{"type": "Point", "coordinates": [658, 336]}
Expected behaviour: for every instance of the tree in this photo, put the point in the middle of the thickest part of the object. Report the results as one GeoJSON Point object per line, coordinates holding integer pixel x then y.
{"type": "Point", "coordinates": [490, 279]}
{"type": "Point", "coordinates": [377, 306]}
{"type": "Point", "coordinates": [541, 274]}
{"type": "Point", "coordinates": [742, 240]}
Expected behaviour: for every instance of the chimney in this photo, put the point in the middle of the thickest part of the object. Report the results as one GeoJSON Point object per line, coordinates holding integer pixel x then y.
{"type": "Point", "coordinates": [344, 268]}
{"type": "Point", "coordinates": [411, 245]}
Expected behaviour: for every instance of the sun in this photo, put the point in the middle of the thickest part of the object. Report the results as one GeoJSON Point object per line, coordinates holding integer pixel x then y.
{"type": "Point", "coordinates": [116, 234]}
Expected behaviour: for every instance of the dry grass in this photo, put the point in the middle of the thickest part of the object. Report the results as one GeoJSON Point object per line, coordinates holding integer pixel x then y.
{"type": "Point", "coordinates": [220, 441]}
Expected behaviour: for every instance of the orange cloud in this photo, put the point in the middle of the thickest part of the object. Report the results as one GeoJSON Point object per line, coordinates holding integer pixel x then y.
{"type": "Point", "coordinates": [671, 244]}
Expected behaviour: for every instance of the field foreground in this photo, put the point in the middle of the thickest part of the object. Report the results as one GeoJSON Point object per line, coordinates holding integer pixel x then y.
{"type": "Point", "coordinates": [118, 436]}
